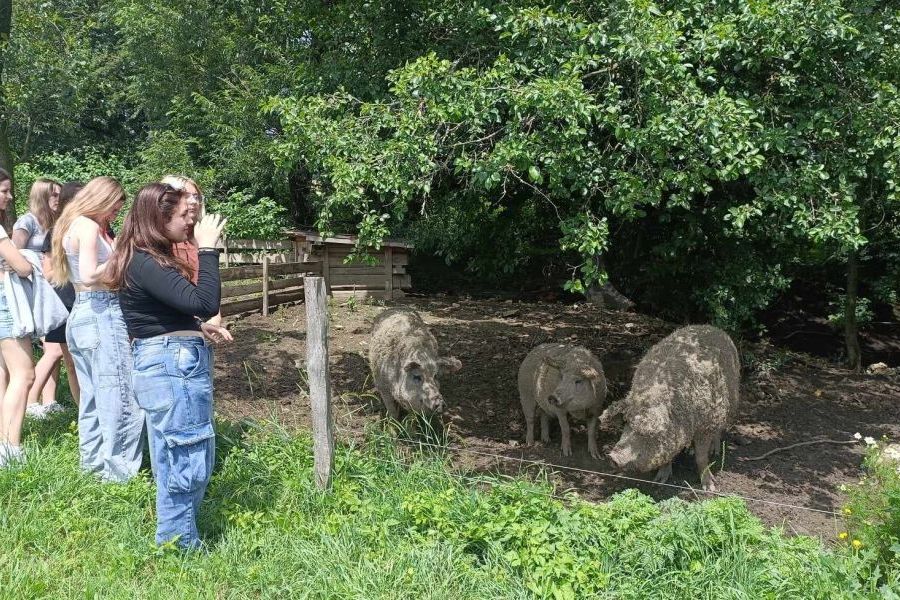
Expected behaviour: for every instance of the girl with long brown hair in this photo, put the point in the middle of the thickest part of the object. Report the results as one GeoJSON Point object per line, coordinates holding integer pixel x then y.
{"type": "Point", "coordinates": [16, 366]}
{"type": "Point", "coordinates": [110, 423]}
{"type": "Point", "coordinates": [172, 376]}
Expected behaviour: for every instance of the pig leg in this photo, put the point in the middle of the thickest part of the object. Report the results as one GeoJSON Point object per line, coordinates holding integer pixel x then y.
{"type": "Point", "coordinates": [392, 409]}
{"type": "Point", "coordinates": [701, 455]}
{"type": "Point", "coordinates": [566, 433]}
{"type": "Point", "coordinates": [663, 473]}
{"type": "Point", "coordinates": [717, 445]}
{"type": "Point", "coordinates": [592, 437]}
{"type": "Point", "coordinates": [529, 424]}
{"type": "Point", "coordinates": [545, 426]}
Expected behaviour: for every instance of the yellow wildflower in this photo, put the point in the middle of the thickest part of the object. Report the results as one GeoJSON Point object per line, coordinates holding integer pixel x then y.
{"type": "Point", "coordinates": [847, 511]}
{"type": "Point", "coordinates": [857, 544]}
{"type": "Point", "coordinates": [843, 535]}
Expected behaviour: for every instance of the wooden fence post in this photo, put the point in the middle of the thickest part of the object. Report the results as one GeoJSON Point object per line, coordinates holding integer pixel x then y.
{"type": "Point", "coordinates": [265, 285]}
{"type": "Point", "coordinates": [388, 273]}
{"type": "Point", "coordinates": [319, 380]}
{"type": "Point", "coordinates": [225, 249]}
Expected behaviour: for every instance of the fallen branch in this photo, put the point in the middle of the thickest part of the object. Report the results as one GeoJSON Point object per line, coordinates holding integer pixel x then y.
{"type": "Point", "coordinates": [797, 445]}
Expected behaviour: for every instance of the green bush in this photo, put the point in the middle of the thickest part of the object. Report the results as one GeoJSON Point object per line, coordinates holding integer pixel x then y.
{"type": "Point", "coordinates": [873, 514]}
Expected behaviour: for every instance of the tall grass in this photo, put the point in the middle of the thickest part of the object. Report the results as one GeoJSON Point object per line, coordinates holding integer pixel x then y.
{"type": "Point", "coordinates": [388, 529]}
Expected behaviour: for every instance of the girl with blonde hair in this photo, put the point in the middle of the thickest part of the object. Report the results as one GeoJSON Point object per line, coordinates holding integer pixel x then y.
{"type": "Point", "coordinates": [16, 366]}
{"type": "Point", "coordinates": [29, 233]}
{"type": "Point", "coordinates": [110, 423]}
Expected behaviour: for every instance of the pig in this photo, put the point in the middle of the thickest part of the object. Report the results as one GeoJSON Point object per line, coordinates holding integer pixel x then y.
{"type": "Point", "coordinates": [685, 391]}
{"type": "Point", "coordinates": [405, 363]}
{"type": "Point", "coordinates": [562, 379]}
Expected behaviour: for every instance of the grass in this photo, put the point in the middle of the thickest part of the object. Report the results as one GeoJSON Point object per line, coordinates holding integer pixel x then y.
{"type": "Point", "coordinates": [394, 526]}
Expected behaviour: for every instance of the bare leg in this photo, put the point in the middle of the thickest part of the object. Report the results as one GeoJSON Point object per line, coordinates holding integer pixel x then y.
{"type": "Point", "coordinates": [71, 375]}
{"type": "Point", "coordinates": [592, 437]}
{"type": "Point", "coordinates": [46, 374]}
{"type": "Point", "coordinates": [663, 473]}
{"type": "Point", "coordinates": [566, 433]}
{"type": "Point", "coordinates": [545, 426]}
{"type": "Point", "coordinates": [19, 366]}
{"type": "Point", "coordinates": [701, 455]}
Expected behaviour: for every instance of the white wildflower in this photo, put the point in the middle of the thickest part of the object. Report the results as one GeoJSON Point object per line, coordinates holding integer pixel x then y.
{"type": "Point", "coordinates": [857, 436]}
{"type": "Point", "coordinates": [870, 441]}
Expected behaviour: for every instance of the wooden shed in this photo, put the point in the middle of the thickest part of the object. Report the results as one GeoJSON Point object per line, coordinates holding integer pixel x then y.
{"type": "Point", "coordinates": [385, 277]}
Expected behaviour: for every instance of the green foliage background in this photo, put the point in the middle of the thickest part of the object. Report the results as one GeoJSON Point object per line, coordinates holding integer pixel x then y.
{"type": "Point", "coordinates": [710, 152]}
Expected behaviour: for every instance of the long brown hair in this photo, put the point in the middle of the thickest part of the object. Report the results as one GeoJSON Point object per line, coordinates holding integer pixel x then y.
{"type": "Point", "coordinates": [4, 176]}
{"type": "Point", "coordinates": [144, 229]}
{"type": "Point", "coordinates": [39, 202]}
{"type": "Point", "coordinates": [94, 201]}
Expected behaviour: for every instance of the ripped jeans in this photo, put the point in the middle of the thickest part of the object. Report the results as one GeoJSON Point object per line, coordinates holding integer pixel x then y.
{"type": "Point", "coordinates": [172, 381]}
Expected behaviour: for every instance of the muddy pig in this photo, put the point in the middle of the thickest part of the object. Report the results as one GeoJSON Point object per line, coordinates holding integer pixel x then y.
{"type": "Point", "coordinates": [562, 380]}
{"type": "Point", "coordinates": [405, 363]}
{"type": "Point", "coordinates": [685, 392]}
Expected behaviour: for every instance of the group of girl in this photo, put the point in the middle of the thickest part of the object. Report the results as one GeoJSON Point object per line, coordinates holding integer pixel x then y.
{"type": "Point", "coordinates": [143, 308]}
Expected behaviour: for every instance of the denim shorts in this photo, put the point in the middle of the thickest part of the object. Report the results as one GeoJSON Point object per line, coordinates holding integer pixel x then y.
{"type": "Point", "coordinates": [6, 318]}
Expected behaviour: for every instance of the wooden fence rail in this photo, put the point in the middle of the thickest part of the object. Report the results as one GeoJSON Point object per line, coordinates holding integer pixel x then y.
{"type": "Point", "coordinates": [260, 274]}
{"type": "Point", "coordinates": [266, 291]}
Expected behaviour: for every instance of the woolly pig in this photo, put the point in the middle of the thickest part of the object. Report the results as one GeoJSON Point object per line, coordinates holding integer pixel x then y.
{"type": "Point", "coordinates": [562, 380]}
{"type": "Point", "coordinates": [404, 358]}
{"type": "Point", "coordinates": [684, 391]}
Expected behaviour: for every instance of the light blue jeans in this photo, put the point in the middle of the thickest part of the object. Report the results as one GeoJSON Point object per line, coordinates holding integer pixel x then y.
{"type": "Point", "coordinates": [173, 384]}
{"type": "Point", "coordinates": [110, 423]}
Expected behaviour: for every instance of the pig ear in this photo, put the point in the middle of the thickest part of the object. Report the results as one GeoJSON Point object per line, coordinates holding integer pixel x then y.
{"type": "Point", "coordinates": [591, 373]}
{"type": "Point", "coordinates": [612, 415]}
{"type": "Point", "coordinates": [449, 364]}
{"type": "Point", "coordinates": [411, 365]}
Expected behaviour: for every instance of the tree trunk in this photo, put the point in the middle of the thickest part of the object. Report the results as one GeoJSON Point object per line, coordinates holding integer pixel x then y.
{"type": "Point", "coordinates": [606, 295]}
{"type": "Point", "coordinates": [851, 328]}
{"type": "Point", "coordinates": [6, 158]}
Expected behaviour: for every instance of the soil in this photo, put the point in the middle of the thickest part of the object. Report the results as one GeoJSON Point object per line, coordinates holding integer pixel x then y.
{"type": "Point", "coordinates": [787, 397]}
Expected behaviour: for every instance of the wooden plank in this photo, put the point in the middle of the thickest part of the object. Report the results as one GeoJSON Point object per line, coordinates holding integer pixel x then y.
{"type": "Point", "coordinates": [265, 286]}
{"type": "Point", "coordinates": [241, 306]}
{"type": "Point", "coordinates": [319, 380]}
{"type": "Point", "coordinates": [283, 284]}
{"type": "Point", "coordinates": [257, 244]}
{"type": "Point", "coordinates": [358, 294]}
{"type": "Point", "coordinates": [388, 272]}
{"type": "Point", "coordinates": [292, 295]}
{"type": "Point", "coordinates": [238, 273]}
{"type": "Point", "coordinates": [255, 258]}
{"type": "Point", "coordinates": [373, 280]}
{"type": "Point", "coordinates": [345, 270]}
{"type": "Point", "coordinates": [401, 259]}
{"type": "Point", "coordinates": [295, 268]}
{"type": "Point", "coordinates": [232, 291]}
{"type": "Point", "coordinates": [326, 269]}
{"type": "Point", "coordinates": [402, 281]}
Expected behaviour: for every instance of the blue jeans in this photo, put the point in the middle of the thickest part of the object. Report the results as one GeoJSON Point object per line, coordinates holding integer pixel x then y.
{"type": "Point", "coordinates": [173, 384]}
{"type": "Point", "coordinates": [110, 423]}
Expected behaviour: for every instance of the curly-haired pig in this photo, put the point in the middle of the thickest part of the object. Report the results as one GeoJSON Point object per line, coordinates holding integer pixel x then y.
{"type": "Point", "coordinates": [684, 392]}
{"type": "Point", "coordinates": [405, 363]}
{"type": "Point", "coordinates": [562, 380]}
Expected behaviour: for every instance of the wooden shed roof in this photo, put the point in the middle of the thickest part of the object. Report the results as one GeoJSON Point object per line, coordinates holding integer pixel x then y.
{"type": "Point", "coordinates": [342, 238]}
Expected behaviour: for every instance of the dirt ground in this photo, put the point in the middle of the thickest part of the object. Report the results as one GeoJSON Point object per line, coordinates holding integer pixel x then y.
{"type": "Point", "coordinates": [786, 398]}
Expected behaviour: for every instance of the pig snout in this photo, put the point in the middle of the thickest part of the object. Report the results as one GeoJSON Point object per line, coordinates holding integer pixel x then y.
{"type": "Point", "coordinates": [435, 404]}
{"type": "Point", "coordinates": [621, 456]}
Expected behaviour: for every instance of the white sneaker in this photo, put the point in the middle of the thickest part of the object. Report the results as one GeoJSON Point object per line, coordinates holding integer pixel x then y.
{"type": "Point", "coordinates": [53, 407]}
{"type": "Point", "coordinates": [9, 455]}
{"type": "Point", "coordinates": [36, 411]}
